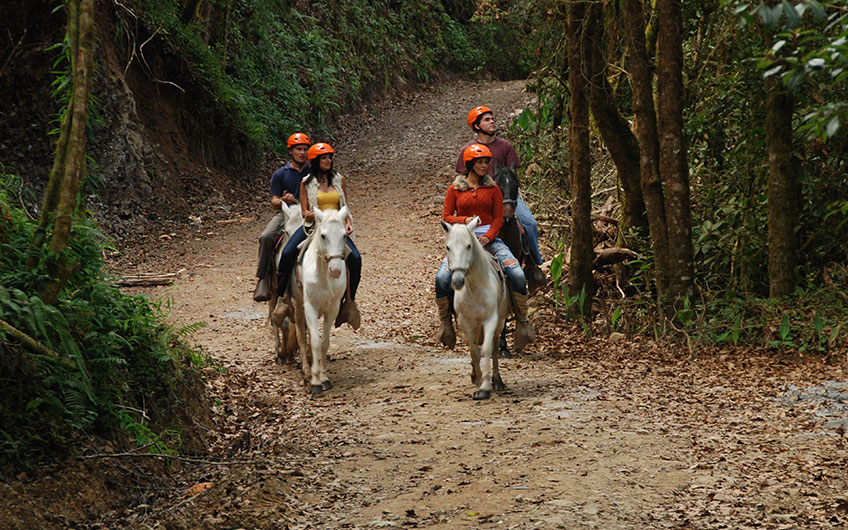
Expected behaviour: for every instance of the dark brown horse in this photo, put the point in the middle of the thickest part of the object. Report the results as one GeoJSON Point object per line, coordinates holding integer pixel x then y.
{"type": "Point", "coordinates": [512, 234]}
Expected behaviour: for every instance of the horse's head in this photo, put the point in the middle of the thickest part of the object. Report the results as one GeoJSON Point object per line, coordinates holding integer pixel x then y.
{"type": "Point", "coordinates": [330, 234]}
{"type": "Point", "coordinates": [460, 246]}
{"type": "Point", "coordinates": [507, 180]}
{"type": "Point", "coordinates": [294, 217]}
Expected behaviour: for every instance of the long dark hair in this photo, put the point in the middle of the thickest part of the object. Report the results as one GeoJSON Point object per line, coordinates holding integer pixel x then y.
{"type": "Point", "coordinates": [315, 169]}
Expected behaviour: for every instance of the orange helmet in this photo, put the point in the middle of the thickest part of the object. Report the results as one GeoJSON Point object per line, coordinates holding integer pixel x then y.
{"type": "Point", "coordinates": [317, 150]}
{"type": "Point", "coordinates": [297, 139]}
{"type": "Point", "coordinates": [475, 151]}
{"type": "Point", "coordinates": [475, 114]}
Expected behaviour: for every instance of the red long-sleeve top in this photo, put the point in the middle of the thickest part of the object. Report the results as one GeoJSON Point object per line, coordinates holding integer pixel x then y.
{"type": "Point", "coordinates": [485, 202]}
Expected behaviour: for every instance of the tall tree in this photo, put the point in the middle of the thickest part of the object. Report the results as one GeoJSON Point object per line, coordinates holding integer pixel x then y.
{"type": "Point", "coordinates": [646, 132]}
{"type": "Point", "coordinates": [582, 252]}
{"type": "Point", "coordinates": [61, 205]}
{"type": "Point", "coordinates": [614, 129]}
{"type": "Point", "coordinates": [783, 192]}
{"type": "Point", "coordinates": [673, 162]}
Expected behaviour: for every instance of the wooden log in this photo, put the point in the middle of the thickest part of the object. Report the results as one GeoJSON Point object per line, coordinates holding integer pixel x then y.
{"type": "Point", "coordinates": [146, 279]}
{"type": "Point", "coordinates": [609, 256]}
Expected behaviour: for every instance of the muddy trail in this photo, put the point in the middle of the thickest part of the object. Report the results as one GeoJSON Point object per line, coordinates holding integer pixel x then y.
{"type": "Point", "coordinates": [589, 434]}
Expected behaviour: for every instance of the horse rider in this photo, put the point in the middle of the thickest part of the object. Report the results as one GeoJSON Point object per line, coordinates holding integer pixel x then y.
{"type": "Point", "coordinates": [285, 188]}
{"type": "Point", "coordinates": [475, 194]}
{"type": "Point", "coordinates": [482, 122]}
{"type": "Point", "coordinates": [326, 188]}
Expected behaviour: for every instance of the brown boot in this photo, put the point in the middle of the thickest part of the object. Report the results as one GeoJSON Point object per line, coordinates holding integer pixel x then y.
{"type": "Point", "coordinates": [262, 293]}
{"type": "Point", "coordinates": [446, 334]}
{"type": "Point", "coordinates": [353, 316]}
{"type": "Point", "coordinates": [348, 312]}
{"type": "Point", "coordinates": [524, 333]}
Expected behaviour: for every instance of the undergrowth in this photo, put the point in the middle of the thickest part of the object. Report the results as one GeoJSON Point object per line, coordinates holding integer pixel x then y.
{"type": "Point", "coordinates": [102, 362]}
{"type": "Point", "coordinates": [727, 311]}
{"type": "Point", "coordinates": [270, 68]}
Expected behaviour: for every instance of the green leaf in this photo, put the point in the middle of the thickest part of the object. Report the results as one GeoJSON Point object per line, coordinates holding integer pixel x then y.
{"type": "Point", "coordinates": [832, 127]}
{"type": "Point", "coordinates": [793, 20]}
{"type": "Point", "coordinates": [784, 328]}
{"type": "Point", "coordinates": [771, 71]}
{"type": "Point", "coordinates": [556, 267]}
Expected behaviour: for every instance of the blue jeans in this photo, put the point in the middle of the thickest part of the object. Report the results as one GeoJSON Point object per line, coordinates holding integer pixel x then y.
{"type": "Point", "coordinates": [289, 256]}
{"type": "Point", "coordinates": [530, 228]}
{"type": "Point", "coordinates": [514, 273]}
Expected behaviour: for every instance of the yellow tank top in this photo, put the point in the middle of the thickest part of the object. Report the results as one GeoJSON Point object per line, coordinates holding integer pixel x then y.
{"type": "Point", "coordinates": [329, 200]}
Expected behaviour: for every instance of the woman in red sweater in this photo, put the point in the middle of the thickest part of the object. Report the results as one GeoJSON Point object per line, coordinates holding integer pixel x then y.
{"type": "Point", "coordinates": [470, 195]}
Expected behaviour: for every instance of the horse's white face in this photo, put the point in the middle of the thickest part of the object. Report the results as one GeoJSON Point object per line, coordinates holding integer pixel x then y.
{"type": "Point", "coordinates": [331, 233]}
{"type": "Point", "coordinates": [460, 249]}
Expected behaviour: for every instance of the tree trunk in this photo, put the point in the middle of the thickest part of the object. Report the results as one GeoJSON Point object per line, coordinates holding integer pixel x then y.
{"type": "Point", "coordinates": [783, 194]}
{"type": "Point", "coordinates": [582, 253]}
{"type": "Point", "coordinates": [672, 149]}
{"type": "Point", "coordinates": [614, 129]}
{"type": "Point", "coordinates": [646, 132]}
{"type": "Point", "coordinates": [61, 197]}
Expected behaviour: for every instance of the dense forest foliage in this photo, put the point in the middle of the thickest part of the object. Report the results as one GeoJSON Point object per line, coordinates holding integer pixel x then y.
{"type": "Point", "coordinates": [762, 88]}
{"type": "Point", "coordinates": [724, 121]}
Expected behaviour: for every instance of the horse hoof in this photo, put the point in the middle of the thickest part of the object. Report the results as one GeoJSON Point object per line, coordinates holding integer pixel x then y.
{"type": "Point", "coordinates": [326, 385]}
{"type": "Point", "coordinates": [498, 385]}
{"type": "Point", "coordinates": [317, 389]}
{"type": "Point", "coordinates": [482, 394]}
{"type": "Point", "coordinates": [505, 354]}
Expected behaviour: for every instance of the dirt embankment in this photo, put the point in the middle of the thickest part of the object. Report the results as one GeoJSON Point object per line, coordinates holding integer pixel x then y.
{"type": "Point", "coordinates": [588, 434]}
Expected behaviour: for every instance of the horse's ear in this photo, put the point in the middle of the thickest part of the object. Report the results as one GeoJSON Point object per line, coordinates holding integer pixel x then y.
{"type": "Point", "coordinates": [319, 215]}
{"type": "Point", "coordinates": [445, 226]}
{"type": "Point", "coordinates": [344, 212]}
{"type": "Point", "coordinates": [473, 224]}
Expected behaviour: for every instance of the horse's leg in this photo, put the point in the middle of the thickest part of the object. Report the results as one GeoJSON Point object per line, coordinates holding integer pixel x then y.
{"type": "Point", "coordinates": [329, 319]}
{"type": "Point", "coordinates": [488, 356]}
{"type": "Point", "coordinates": [497, 382]}
{"type": "Point", "coordinates": [502, 345]}
{"type": "Point", "coordinates": [302, 338]}
{"type": "Point", "coordinates": [277, 344]}
{"type": "Point", "coordinates": [315, 340]}
{"type": "Point", "coordinates": [470, 335]}
{"type": "Point", "coordinates": [290, 338]}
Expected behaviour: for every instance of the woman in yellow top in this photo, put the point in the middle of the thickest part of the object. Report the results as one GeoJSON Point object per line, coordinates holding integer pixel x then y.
{"type": "Point", "coordinates": [326, 188]}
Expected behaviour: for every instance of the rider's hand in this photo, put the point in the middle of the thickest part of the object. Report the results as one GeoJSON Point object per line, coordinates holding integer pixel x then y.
{"type": "Point", "coordinates": [349, 228]}
{"type": "Point", "coordinates": [484, 240]}
{"type": "Point", "coordinates": [288, 198]}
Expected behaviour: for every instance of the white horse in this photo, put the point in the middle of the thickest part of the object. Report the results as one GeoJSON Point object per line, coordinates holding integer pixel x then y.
{"type": "Point", "coordinates": [481, 302]}
{"type": "Point", "coordinates": [317, 292]}
{"type": "Point", "coordinates": [280, 308]}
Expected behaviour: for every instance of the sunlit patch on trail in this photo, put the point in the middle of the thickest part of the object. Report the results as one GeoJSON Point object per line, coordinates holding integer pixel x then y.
{"type": "Point", "coordinates": [830, 400]}
{"type": "Point", "coordinates": [245, 314]}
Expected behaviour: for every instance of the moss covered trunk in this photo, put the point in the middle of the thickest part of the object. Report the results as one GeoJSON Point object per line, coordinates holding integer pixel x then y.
{"type": "Point", "coordinates": [783, 194]}
{"type": "Point", "coordinates": [646, 132]}
{"type": "Point", "coordinates": [672, 149]}
{"type": "Point", "coordinates": [582, 254]}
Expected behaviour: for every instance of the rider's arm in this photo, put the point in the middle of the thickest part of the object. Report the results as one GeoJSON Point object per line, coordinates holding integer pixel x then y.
{"type": "Point", "coordinates": [308, 214]}
{"type": "Point", "coordinates": [450, 208]}
{"type": "Point", "coordinates": [276, 202]}
{"type": "Point", "coordinates": [349, 219]}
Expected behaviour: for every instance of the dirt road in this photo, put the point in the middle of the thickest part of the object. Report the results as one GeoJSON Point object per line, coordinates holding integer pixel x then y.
{"type": "Point", "coordinates": [587, 436]}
